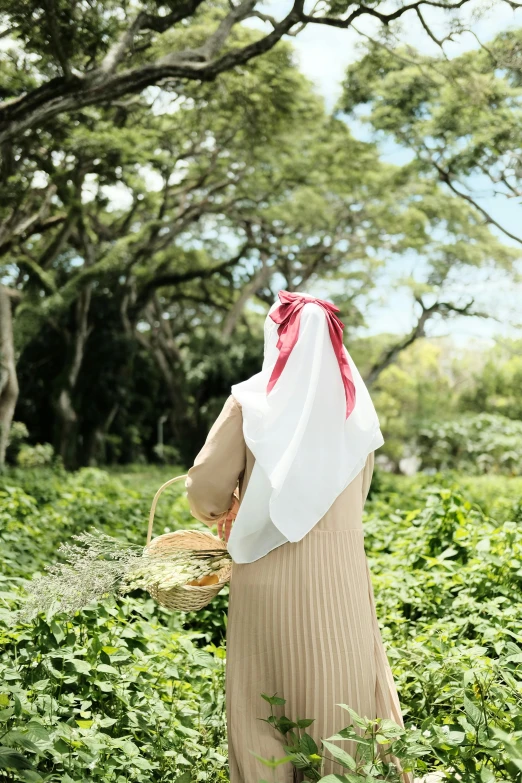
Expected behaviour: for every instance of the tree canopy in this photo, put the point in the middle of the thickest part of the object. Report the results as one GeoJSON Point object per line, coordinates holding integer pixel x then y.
{"type": "Point", "coordinates": [96, 52]}
{"type": "Point", "coordinates": [461, 117]}
{"type": "Point", "coordinates": [142, 239]}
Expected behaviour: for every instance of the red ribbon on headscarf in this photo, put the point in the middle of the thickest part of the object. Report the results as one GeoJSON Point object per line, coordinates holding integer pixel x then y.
{"type": "Point", "coordinates": [288, 316]}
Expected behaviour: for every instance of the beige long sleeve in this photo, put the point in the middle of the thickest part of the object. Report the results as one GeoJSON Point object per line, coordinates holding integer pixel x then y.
{"type": "Point", "coordinates": [367, 474]}
{"type": "Point", "coordinates": [213, 478]}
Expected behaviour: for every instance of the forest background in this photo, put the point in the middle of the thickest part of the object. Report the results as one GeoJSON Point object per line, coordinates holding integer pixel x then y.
{"type": "Point", "coordinates": [147, 224]}
{"type": "Point", "coordinates": [165, 169]}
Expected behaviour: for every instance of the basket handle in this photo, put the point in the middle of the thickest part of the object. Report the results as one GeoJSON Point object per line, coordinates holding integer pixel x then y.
{"type": "Point", "coordinates": [155, 502]}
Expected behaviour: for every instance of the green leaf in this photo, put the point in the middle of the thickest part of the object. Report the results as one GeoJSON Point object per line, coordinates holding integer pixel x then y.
{"type": "Point", "coordinates": [303, 723]}
{"type": "Point", "coordinates": [18, 738]}
{"type": "Point", "coordinates": [103, 685]}
{"type": "Point", "coordinates": [307, 744]}
{"type": "Point", "coordinates": [141, 763]}
{"type": "Point", "coordinates": [29, 776]}
{"type": "Point", "coordinates": [82, 667]}
{"type": "Point", "coordinates": [107, 668]}
{"type": "Point", "coordinates": [37, 730]}
{"type": "Point", "coordinates": [84, 724]}
{"type": "Point", "coordinates": [456, 737]}
{"type": "Point", "coordinates": [104, 722]}
{"type": "Point", "coordinates": [514, 658]}
{"type": "Point", "coordinates": [472, 711]}
{"type": "Point", "coordinates": [361, 722]}
{"type": "Point", "coordinates": [273, 699]}
{"type": "Point", "coordinates": [11, 759]}
{"type": "Point", "coordinates": [284, 724]}
{"type": "Point", "coordinates": [272, 763]}
{"type": "Point", "coordinates": [340, 755]}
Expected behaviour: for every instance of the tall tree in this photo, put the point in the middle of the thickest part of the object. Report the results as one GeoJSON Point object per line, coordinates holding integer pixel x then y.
{"type": "Point", "coordinates": [99, 52]}
{"type": "Point", "coordinates": [460, 119]}
{"type": "Point", "coordinates": [136, 229]}
{"type": "Point", "coordinates": [199, 159]}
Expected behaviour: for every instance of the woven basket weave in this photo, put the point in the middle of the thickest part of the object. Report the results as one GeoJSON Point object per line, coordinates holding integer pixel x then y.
{"type": "Point", "coordinates": [185, 598]}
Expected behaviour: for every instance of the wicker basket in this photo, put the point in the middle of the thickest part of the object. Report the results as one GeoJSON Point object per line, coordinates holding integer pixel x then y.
{"type": "Point", "coordinates": [186, 598]}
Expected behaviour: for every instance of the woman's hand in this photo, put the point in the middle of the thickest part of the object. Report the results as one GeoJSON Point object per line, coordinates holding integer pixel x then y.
{"type": "Point", "coordinates": [224, 525]}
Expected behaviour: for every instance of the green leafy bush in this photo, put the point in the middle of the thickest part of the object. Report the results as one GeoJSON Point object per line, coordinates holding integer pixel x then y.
{"type": "Point", "coordinates": [35, 456]}
{"type": "Point", "coordinates": [130, 692]}
{"type": "Point", "coordinates": [379, 742]}
{"type": "Point", "coordinates": [483, 443]}
{"type": "Point", "coordinates": [123, 693]}
{"type": "Point", "coordinates": [448, 587]}
{"type": "Point", "coordinates": [18, 433]}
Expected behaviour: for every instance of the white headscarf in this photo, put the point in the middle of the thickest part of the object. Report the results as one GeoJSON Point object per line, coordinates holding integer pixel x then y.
{"type": "Point", "coordinates": [306, 450]}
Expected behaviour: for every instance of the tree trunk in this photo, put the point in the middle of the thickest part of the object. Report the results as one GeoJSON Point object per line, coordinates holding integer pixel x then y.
{"type": "Point", "coordinates": [95, 442]}
{"type": "Point", "coordinates": [8, 376]}
{"type": "Point", "coordinates": [67, 418]}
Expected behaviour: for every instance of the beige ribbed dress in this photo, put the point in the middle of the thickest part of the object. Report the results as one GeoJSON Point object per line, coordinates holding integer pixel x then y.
{"type": "Point", "coordinates": [301, 620]}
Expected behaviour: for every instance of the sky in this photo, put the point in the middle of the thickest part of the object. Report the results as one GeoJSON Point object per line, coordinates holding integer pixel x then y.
{"type": "Point", "coordinates": [323, 54]}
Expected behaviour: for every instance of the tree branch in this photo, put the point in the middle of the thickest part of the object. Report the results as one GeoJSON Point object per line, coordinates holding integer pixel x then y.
{"type": "Point", "coordinates": [258, 279]}
{"type": "Point", "coordinates": [176, 278]}
{"type": "Point", "coordinates": [430, 33]}
{"type": "Point", "coordinates": [445, 177]}
{"type": "Point", "coordinates": [107, 82]}
{"type": "Point", "coordinates": [50, 16]}
{"type": "Point", "coordinates": [385, 19]}
{"type": "Point", "coordinates": [442, 308]}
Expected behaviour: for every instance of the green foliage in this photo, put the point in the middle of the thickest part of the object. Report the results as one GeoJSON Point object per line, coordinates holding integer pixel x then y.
{"type": "Point", "coordinates": [484, 443]}
{"type": "Point", "coordinates": [128, 684]}
{"type": "Point", "coordinates": [124, 691]}
{"type": "Point", "coordinates": [35, 456]}
{"type": "Point", "coordinates": [17, 435]}
{"type": "Point", "coordinates": [458, 116]}
{"type": "Point", "coordinates": [408, 393]}
{"type": "Point", "coordinates": [495, 387]}
{"type": "Point", "coordinates": [447, 584]}
{"type": "Point", "coordinates": [431, 399]}
{"type": "Point", "coordinates": [375, 742]}
{"type": "Point", "coordinates": [121, 692]}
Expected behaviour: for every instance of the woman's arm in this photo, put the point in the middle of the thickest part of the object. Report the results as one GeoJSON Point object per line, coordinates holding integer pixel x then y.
{"type": "Point", "coordinates": [213, 478]}
{"type": "Point", "coordinates": [367, 475]}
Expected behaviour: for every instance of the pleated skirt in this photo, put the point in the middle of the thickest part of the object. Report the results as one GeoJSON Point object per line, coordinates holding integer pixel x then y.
{"type": "Point", "coordinates": [302, 625]}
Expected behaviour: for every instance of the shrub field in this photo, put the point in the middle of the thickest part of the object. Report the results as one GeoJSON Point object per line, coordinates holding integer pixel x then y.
{"type": "Point", "coordinates": [126, 691]}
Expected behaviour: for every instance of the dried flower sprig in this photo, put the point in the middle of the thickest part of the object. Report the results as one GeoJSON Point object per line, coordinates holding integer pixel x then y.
{"type": "Point", "coordinates": [100, 565]}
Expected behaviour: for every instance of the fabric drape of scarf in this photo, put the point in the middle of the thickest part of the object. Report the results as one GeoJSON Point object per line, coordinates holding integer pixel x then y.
{"type": "Point", "coordinates": [309, 421]}
{"type": "Point", "coordinates": [288, 316]}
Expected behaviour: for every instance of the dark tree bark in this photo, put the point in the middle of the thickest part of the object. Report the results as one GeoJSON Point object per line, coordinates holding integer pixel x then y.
{"type": "Point", "coordinates": [8, 376]}
{"type": "Point", "coordinates": [95, 442]}
{"type": "Point", "coordinates": [67, 417]}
